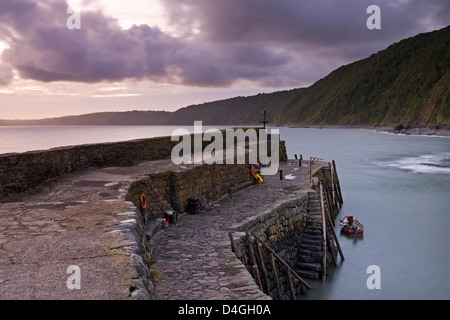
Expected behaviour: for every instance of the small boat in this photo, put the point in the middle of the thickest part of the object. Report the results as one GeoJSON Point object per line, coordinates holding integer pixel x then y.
{"type": "Point", "coordinates": [351, 226]}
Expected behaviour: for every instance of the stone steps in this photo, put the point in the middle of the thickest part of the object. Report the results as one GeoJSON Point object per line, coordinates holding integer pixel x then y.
{"type": "Point", "coordinates": [310, 242]}
{"type": "Point", "coordinates": [309, 270]}
{"type": "Point", "coordinates": [312, 236]}
{"type": "Point", "coordinates": [308, 274]}
{"type": "Point", "coordinates": [307, 266]}
{"type": "Point", "coordinates": [310, 249]}
{"type": "Point", "coordinates": [308, 259]}
{"type": "Point", "coordinates": [315, 212]}
{"type": "Point", "coordinates": [317, 220]}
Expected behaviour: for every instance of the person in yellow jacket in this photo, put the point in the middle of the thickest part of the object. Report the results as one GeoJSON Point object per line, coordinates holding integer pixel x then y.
{"type": "Point", "coordinates": [255, 171]}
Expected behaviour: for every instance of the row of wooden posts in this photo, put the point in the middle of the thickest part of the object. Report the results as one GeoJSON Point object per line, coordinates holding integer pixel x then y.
{"type": "Point", "coordinates": [334, 193]}
{"type": "Point", "coordinates": [299, 164]}
{"type": "Point", "coordinates": [252, 242]}
{"type": "Point", "coordinates": [331, 201]}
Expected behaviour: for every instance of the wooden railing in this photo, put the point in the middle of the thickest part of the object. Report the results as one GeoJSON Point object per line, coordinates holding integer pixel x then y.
{"type": "Point", "coordinates": [273, 255]}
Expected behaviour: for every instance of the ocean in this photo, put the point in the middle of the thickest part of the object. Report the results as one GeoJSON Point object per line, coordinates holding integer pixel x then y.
{"type": "Point", "coordinates": [398, 186]}
{"type": "Point", "coordinates": [16, 139]}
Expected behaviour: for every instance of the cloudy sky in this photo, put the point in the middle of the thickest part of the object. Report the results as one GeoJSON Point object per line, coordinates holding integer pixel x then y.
{"type": "Point", "coordinates": [166, 54]}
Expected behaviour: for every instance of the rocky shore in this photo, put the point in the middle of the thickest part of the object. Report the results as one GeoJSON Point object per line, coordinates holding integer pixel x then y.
{"type": "Point", "coordinates": [400, 129]}
{"type": "Point", "coordinates": [421, 131]}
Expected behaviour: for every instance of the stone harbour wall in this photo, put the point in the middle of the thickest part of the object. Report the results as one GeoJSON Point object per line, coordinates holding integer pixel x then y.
{"type": "Point", "coordinates": [164, 190]}
{"type": "Point", "coordinates": [209, 182]}
{"type": "Point", "coordinates": [282, 229]}
{"type": "Point", "coordinates": [156, 188]}
{"type": "Point", "coordinates": [133, 230]}
{"type": "Point", "coordinates": [171, 190]}
{"type": "Point", "coordinates": [24, 171]}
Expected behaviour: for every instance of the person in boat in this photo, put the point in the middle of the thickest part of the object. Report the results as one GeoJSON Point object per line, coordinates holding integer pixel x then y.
{"type": "Point", "coordinates": [349, 221]}
{"type": "Point", "coordinates": [351, 225]}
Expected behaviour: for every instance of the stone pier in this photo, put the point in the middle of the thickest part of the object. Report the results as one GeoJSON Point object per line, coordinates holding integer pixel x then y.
{"type": "Point", "coordinates": [91, 219]}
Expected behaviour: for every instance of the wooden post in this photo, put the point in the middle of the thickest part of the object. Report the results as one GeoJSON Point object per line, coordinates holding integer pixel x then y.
{"type": "Point", "coordinates": [309, 170]}
{"type": "Point", "coordinates": [330, 248]}
{"type": "Point", "coordinates": [281, 174]}
{"type": "Point", "coordinates": [252, 256]}
{"type": "Point", "coordinates": [257, 278]}
{"type": "Point", "coordinates": [336, 240]}
{"type": "Point", "coordinates": [291, 285]}
{"type": "Point", "coordinates": [324, 235]}
{"type": "Point", "coordinates": [330, 205]}
{"type": "Point", "coordinates": [274, 267]}
{"type": "Point", "coordinates": [334, 211]}
{"type": "Point", "coordinates": [333, 187]}
{"type": "Point", "coordinates": [338, 184]}
{"type": "Point", "coordinates": [283, 263]}
{"type": "Point", "coordinates": [263, 267]}
{"type": "Point", "coordinates": [330, 245]}
{"type": "Point", "coordinates": [325, 195]}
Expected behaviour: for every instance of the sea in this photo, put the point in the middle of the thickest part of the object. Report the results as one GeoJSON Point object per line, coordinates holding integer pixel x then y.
{"type": "Point", "coordinates": [398, 186]}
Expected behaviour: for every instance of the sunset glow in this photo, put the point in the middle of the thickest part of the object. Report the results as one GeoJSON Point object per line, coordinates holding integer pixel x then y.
{"type": "Point", "coordinates": [165, 55]}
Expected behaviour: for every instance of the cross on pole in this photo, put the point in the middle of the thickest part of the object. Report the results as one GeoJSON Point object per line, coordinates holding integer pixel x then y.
{"type": "Point", "coordinates": [264, 119]}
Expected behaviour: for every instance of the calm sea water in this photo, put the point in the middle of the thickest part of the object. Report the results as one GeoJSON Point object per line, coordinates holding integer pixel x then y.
{"type": "Point", "coordinates": [397, 186]}
{"type": "Point", "coordinates": [30, 138]}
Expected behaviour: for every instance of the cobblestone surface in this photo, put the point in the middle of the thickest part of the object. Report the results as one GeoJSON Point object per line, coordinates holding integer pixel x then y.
{"type": "Point", "coordinates": [65, 222]}
{"type": "Point", "coordinates": [195, 257]}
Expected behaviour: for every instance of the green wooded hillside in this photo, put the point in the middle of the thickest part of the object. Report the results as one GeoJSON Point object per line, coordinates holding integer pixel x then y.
{"type": "Point", "coordinates": [239, 110]}
{"type": "Point", "coordinates": [99, 119]}
{"type": "Point", "coordinates": [406, 84]}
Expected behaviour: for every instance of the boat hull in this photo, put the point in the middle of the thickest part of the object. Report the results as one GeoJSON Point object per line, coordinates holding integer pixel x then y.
{"type": "Point", "coordinates": [352, 231]}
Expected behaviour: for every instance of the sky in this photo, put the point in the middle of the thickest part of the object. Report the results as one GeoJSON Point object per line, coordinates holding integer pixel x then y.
{"type": "Point", "coordinates": [74, 57]}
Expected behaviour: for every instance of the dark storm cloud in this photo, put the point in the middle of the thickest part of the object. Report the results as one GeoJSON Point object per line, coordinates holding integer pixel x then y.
{"type": "Point", "coordinates": [308, 25]}
{"type": "Point", "coordinates": [314, 22]}
{"type": "Point", "coordinates": [274, 43]}
{"type": "Point", "coordinates": [43, 48]}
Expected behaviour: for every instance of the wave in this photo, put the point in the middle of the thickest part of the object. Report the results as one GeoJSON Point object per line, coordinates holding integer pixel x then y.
{"type": "Point", "coordinates": [429, 163]}
{"type": "Point", "coordinates": [443, 135]}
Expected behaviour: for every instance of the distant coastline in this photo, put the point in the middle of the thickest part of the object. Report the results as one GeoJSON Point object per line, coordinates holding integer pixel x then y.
{"type": "Point", "coordinates": [94, 120]}
{"type": "Point", "coordinates": [444, 132]}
